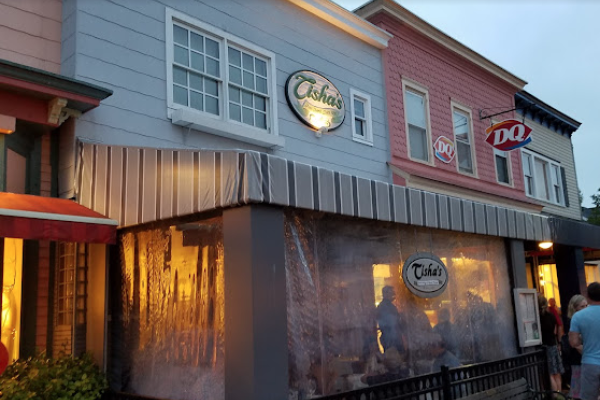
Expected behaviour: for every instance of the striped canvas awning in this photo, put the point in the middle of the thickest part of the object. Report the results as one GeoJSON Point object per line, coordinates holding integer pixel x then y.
{"type": "Point", "coordinates": [48, 218]}
{"type": "Point", "coordinates": [140, 185]}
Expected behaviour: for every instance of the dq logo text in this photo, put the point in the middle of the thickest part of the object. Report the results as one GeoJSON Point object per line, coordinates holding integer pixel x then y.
{"type": "Point", "coordinates": [508, 135]}
{"type": "Point", "coordinates": [444, 149]}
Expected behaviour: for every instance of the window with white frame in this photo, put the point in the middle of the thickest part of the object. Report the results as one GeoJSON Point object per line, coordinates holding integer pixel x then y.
{"type": "Point", "coordinates": [503, 170]}
{"type": "Point", "coordinates": [417, 122]}
{"type": "Point", "coordinates": [543, 178]}
{"type": "Point", "coordinates": [362, 130]}
{"type": "Point", "coordinates": [461, 120]}
{"type": "Point", "coordinates": [222, 82]}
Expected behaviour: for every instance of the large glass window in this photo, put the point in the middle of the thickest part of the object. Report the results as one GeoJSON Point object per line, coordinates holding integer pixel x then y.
{"type": "Point", "coordinates": [462, 135]}
{"type": "Point", "coordinates": [168, 331]}
{"type": "Point", "coordinates": [12, 281]}
{"type": "Point", "coordinates": [339, 273]}
{"type": "Point", "coordinates": [543, 178]}
{"type": "Point", "coordinates": [415, 108]}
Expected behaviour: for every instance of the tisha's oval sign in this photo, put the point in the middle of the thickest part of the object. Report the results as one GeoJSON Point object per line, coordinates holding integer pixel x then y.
{"type": "Point", "coordinates": [315, 100]}
{"type": "Point", "coordinates": [425, 275]}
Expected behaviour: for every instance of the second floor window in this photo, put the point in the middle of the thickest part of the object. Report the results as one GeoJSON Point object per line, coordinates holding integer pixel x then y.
{"type": "Point", "coordinates": [362, 130]}
{"type": "Point", "coordinates": [219, 83]}
{"type": "Point", "coordinates": [416, 118]}
{"type": "Point", "coordinates": [543, 178]}
{"type": "Point", "coordinates": [462, 136]}
{"type": "Point", "coordinates": [502, 160]}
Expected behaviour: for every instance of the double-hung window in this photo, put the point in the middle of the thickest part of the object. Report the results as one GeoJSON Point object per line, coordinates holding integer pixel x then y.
{"type": "Point", "coordinates": [362, 130]}
{"type": "Point", "coordinates": [461, 119]}
{"type": "Point", "coordinates": [543, 178]}
{"type": "Point", "coordinates": [417, 122]}
{"type": "Point", "coordinates": [219, 83]}
{"type": "Point", "coordinates": [503, 171]}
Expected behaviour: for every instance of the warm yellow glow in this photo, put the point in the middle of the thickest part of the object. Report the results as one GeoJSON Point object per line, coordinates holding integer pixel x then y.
{"type": "Point", "coordinates": [381, 276]}
{"type": "Point", "coordinates": [592, 273]}
{"type": "Point", "coordinates": [11, 296]}
{"type": "Point", "coordinates": [549, 282]}
{"type": "Point", "coordinates": [545, 245]}
{"type": "Point", "coordinates": [319, 120]}
{"type": "Point", "coordinates": [7, 124]}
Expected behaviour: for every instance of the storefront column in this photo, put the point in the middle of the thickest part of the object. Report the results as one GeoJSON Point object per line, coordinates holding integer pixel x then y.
{"type": "Point", "coordinates": [256, 351]}
{"type": "Point", "coordinates": [516, 250]}
{"type": "Point", "coordinates": [570, 272]}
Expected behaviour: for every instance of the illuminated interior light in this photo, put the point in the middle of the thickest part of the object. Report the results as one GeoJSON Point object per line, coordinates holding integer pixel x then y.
{"type": "Point", "coordinates": [545, 245]}
{"type": "Point", "coordinates": [7, 124]}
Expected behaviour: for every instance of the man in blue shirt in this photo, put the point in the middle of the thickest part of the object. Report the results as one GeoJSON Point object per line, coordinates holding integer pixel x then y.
{"type": "Point", "coordinates": [585, 337]}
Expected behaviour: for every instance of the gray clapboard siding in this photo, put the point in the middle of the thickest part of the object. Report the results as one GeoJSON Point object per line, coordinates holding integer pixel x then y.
{"type": "Point", "coordinates": [120, 44]}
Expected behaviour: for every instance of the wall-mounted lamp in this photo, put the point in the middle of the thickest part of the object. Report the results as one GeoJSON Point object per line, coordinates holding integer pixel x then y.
{"type": "Point", "coordinates": [320, 122]}
{"type": "Point", "coordinates": [545, 245]}
{"type": "Point", "coordinates": [7, 124]}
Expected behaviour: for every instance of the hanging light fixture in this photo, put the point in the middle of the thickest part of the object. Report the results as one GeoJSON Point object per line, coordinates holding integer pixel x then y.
{"type": "Point", "coordinates": [545, 245]}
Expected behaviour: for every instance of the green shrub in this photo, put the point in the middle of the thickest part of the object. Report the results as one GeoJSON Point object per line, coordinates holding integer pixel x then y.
{"type": "Point", "coordinates": [62, 378]}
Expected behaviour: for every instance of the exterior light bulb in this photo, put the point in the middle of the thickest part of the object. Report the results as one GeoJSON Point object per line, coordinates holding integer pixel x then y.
{"type": "Point", "coordinates": [320, 122]}
{"type": "Point", "coordinates": [545, 245]}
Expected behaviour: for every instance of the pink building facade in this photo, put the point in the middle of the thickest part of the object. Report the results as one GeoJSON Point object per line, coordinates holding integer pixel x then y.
{"type": "Point", "coordinates": [438, 88]}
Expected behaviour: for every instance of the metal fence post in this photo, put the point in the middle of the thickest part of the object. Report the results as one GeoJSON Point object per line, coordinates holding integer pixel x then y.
{"type": "Point", "coordinates": [446, 389]}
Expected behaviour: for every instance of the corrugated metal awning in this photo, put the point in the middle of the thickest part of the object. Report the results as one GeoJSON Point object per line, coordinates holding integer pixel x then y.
{"type": "Point", "coordinates": [138, 185]}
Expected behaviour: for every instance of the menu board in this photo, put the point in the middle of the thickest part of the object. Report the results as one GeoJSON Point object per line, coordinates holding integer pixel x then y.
{"type": "Point", "coordinates": [528, 317]}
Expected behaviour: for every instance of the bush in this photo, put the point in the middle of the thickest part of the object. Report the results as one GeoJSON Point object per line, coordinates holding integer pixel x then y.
{"type": "Point", "coordinates": [62, 378]}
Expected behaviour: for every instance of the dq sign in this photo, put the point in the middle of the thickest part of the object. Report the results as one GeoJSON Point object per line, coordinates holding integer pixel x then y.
{"type": "Point", "coordinates": [508, 135]}
{"type": "Point", "coordinates": [315, 100]}
{"type": "Point", "coordinates": [425, 275]}
{"type": "Point", "coordinates": [444, 149]}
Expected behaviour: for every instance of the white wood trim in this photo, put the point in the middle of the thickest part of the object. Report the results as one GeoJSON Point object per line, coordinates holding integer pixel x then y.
{"type": "Point", "coordinates": [409, 84]}
{"type": "Point", "coordinates": [366, 99]}
{"type": "Point", "coordinates": [346, 21]}
{"type": "Point", "coordinates": [403, 15]}
{"type": "Point", "coordinates": [466, 110]}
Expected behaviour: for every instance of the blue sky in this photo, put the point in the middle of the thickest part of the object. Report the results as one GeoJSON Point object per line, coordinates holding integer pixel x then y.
{"type": "Point", "coordinates": [554, 45]}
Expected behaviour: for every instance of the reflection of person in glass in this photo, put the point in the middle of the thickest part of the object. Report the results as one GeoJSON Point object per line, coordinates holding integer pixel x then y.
{"type": "Point", "coordinates": [390, 323]}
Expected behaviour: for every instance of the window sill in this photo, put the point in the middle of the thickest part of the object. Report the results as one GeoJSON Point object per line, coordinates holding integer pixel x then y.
{"type": "Point", "coordinates": [195, 120]}
{"type": "Point", "coordinates": [362, 140]}
{"type": "Point", "coordinates": [546, 202]}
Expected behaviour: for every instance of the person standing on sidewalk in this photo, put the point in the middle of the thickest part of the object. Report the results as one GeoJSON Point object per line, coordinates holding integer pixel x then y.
{"type": "Point", "coordinates": [584, 336]}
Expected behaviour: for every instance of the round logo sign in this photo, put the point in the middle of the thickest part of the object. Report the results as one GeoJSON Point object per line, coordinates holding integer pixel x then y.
{"type": "Point", "coordinates": [425, 275]}
{"type": "Point", "coordinates": [315, 100]}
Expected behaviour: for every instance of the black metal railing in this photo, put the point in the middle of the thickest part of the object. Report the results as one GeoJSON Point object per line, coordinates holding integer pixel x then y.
{"type": "Point", "coordinates": [450, 384]}
{"type": "Point", "coordinates": [458, 382]}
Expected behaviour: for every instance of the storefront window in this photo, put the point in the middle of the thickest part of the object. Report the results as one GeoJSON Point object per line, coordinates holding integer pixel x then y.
{"type": "Point", "coordinates": [171, 304]}
{"type": "Point", "coordinates": [337, 270]}
{"type": "Point", "coordinates": [11, 296]}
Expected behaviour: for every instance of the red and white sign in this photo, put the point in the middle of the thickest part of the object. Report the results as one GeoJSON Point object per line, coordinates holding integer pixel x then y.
{"type": "Point", "coordinates": [444, 149]}
{"type": "Point", "coordinates": [508, 135]}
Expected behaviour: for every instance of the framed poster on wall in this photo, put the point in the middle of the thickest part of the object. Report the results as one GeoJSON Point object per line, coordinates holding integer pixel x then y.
{"type": "Point", "coordinates": [528, 317]}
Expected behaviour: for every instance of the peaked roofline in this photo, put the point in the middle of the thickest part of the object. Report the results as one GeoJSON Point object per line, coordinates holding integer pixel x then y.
{"type": "Point", "coordinates": [346, 21]}
{"type": "Point", "coordinates": [402, 14]}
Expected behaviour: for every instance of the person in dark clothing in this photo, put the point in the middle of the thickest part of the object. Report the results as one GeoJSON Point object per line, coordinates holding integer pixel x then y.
{"type": "Point", "coordinates": [390, 322]}
{"type": "Point", "coordinates": [446, 330]}
{"type": "Point", "coordinates": [549, 329]}
{"type": "Point", "coordinates": [443, 356]}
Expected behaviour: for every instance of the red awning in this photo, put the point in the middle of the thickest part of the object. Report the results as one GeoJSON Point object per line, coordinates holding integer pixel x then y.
{"type": "Point", "coordinates": [48, 218]}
